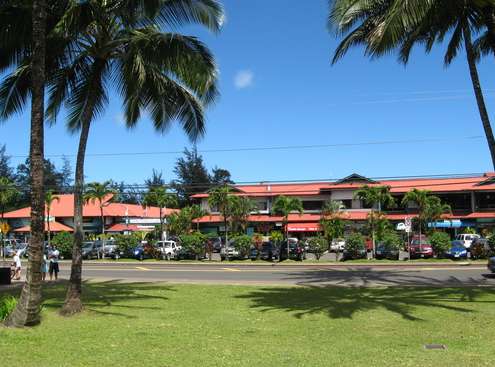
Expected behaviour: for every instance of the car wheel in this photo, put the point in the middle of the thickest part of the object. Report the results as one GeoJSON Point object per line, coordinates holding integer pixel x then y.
{"type": "Point", "coordinates": [168, 257]}
{"type": "Point", "coordinates": [141, 257]}
{"type": "Point", "coordinates": [222, 258]}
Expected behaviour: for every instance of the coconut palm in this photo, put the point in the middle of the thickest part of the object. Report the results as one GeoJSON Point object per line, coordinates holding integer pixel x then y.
{"type": "Point", "coordinates": [99, 193]}
{"type": "Point", "coordinates": [219, 198]}
{"type": "Point", "coordinates": [8, 193]}
{"type": "Point", "coordinates": [435, 208]}
{"type": "Point", "coordinates": [332, 222]}
{"type": "Point", "coordinates": [240, 209]}
{"type": "Point", "coordinates": [197, 212]}
{"type": "Point", "coordinates": [158, 196]}
{"type": "Point", "coordinates": [375, 196]}
{"type": "Point", "coordinates": [50, 198]}
{"type": "Point", "coordinates": [421, 198]}
{"type": "Point", "coordinates": [28, 308]}
{"type": "Point", "coordinates": [285, 205]}
{"type": "Point", "coordinates": [384, 25]}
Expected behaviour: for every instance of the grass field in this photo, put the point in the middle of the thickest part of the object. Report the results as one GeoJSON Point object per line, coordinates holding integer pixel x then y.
{"type": "Point", "coordinates": [192, 325]}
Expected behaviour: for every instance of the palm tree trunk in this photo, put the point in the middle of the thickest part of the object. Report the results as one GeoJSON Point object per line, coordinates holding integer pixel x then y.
{"type": "Point", "coordinates": [48, 224]}
{"type": "Point", "coordinates": [161, 225]}
{"type": "Point", "coordinates": [28, 308]}
{"type": "Point", "coordinates": [102, 232]}
{"type": "Point", "coordinates": [471, 58]}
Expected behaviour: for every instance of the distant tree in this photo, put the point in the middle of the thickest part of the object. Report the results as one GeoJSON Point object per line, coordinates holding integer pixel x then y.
{"type": "Point", "coordinates": [219, 199]}
{"type": "Point", "coordinates": [126, 194]}
{"type": "Point", "coordinates": [66, 179]}
{"type": "Point", "coordinates": [50, 198]}
{"type": "Point", "coordinates": [430, 207]}
{"type": "Point", "coordinates": [155, 180]}
{"type": "Point", "coordinates": [97, 193]}
{"type": "Point", "coordinates": [8, 194]}
{"type": "Point", "coordinates": [5, 168]}
{"type": "Point", "coordinates": [197, 212]}
{"type": "Point", "coordinates": [285, 205]}
{"type": "Point", "coordinates": [220, 176]}
{"type": "Point", "coordinates": [240, 209]}
{"type": "Point", "coordinates": [161, 198]}
{"type": "Point", "coordinates": [192, 176]}
{"type": "Point", "coordinates": [332, 222]}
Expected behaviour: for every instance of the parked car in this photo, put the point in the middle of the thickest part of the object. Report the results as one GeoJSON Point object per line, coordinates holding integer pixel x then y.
{"type": "Point", "coordinates": [230, 252]}
{"type": "Point", "coordinates": [268, 252]}
{"type": "Point", "coordinates": [168, 249]}
{"type": "Point", "coordinates": [295, 251]}
{"type": "Point", "coordinates": [354, 255]}
{"type": "Point", "coordinates": [144, 251]}
{"type": "Point", "coordinates": [420, 247]}
{"type": "Point", "coordinates": [383, 251]}
{"type": "Point", "coordinates": [89, 250]}
{"type": "Point", "coordinates": [456, 251]}
{"type": "Point", "coordinates": [491, 264]}
{"type": "Point", "coordinates": [338, 244]}
{"type": "Point", "coordinates": [217, 244]}
{"type": "Point", "coordinates": [467, 239]}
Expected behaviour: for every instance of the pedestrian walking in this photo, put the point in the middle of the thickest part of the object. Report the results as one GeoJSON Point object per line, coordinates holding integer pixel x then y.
{"type": "Point", "coordinates": [53, 268]}
{"type": "Point", "coordinates": [17, 265]}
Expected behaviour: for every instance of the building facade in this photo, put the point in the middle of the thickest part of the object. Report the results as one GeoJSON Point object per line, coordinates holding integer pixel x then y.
{"type": "Point", "coordinates": [472, 199]}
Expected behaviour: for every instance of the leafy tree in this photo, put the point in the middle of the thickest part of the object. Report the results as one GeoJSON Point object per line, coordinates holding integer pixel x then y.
{"type": "Point", "coordinates": [283, 206]}
{"type": "Point", "coordinates": [192, 176]}
{"type": "Point", "coordinates": [332, 222]}
{"type": "Point", "coordinates": [63, 242]}
{"type": "Point", "coordinates": [126, 243]}
{"type": "Point", "coordinates": [194, 243]}
{"type": "Point", "coordinates": [197, 212]}
{"type": "Point", "coordinates": [181, 222]}
{"type": "Point", "coordinates": [66, 175]}
{"type": "Point", "coordinates": [378, 222]}
{"type": "Point", "coordinates": [8, 194]}
{"type": "Point", "coordinates": [382, 26]}
{"type": "Point", "coordinates": [219, 198]}
{"type": "Point", "coordinates": [220, 177]}
{"type": "Point", "coordinates": [440, 241]}
{"type": "Point", "coordinates": [50, 198]}
{"type": "Point", "coordinates": [159, 197]}
{"type": "Point", "coordinates": [391, 240]}
{"type": "Point", "coordinates": [5, 168]}
{"type": "Point", "coordinates": [318, 245]}
{"type": "Point", "coordinates": [435, 209]}
{"type": "Point", "coordinates": [242, 243]}
{"type": "Point", "coordinates": [375, 196]}
{"type": "Point", "coordinates": [26, 35]}
{"type": "Point", "coordinates": [355, 245]}
{"type": "Point", "coordinates": [241, 208]}
{"type": "Point", "coordinates": [98, 193]}
{"type": "Point", "coordinates": [276, 237]}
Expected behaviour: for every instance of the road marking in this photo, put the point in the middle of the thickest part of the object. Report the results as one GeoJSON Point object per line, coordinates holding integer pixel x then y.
{"type": "Point", "coordinates": [230, 269]}
{"type": "Point", "coordinates": [141, 268]}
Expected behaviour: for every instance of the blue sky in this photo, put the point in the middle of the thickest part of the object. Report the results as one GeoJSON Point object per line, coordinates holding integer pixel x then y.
{"type": "Point", "coordinates": [278, 88]}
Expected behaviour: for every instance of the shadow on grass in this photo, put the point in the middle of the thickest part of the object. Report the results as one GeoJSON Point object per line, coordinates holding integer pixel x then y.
{"type": "Point", "coordinates": [99, 295]}
{"type": "Point", "coordinates": [345, 302]}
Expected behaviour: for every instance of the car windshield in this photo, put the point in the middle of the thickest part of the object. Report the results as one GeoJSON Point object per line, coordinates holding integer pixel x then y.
{"type": "Point", "coordinates": [87, 245]}
{"type": "Point", "coordinates": [417, 242]}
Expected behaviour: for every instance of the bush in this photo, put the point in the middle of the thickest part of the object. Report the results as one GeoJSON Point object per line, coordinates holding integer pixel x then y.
{"type": "Point", "coordinates": [63, 242]}
{"type": "Point", "coordinates": [193, 243]}
{"type": "Point", "coordinates": [126, 243]}
{"type": "Point", "coordinates": [440, 241]}
{"type": "Point", "coordinates": [355, 245]}
{"type": "Point", "coordinates": [478, 251]}
{"type": "Point", "coordinates": [276, 237]}
{"type": "Point", "coordinates": [491, 244]}
{"type": "Point", "coordinates": [242, 243]}
{"type": "Point", "coordinates": [318, 245]}
{"type": "Point", "coordinates": [7, 305]}
{"type": "Point", "coordinates": [392, 240]}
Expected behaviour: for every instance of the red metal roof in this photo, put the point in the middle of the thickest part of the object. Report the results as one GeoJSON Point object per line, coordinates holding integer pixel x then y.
{"type": "Point", "coordinates": [64, 208]}
{"type": "Point", "coordinates": [122, 227]}
{"type": "Point", "coordinates": [54, 227]}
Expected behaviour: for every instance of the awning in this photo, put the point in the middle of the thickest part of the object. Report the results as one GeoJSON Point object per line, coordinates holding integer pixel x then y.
{"type": "Point", "coordinates": [54, 227]}
{"type": "Point", "coordinates": [303, 227]}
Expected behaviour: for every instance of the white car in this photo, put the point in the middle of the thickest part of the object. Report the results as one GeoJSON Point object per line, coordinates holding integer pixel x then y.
{"type": "Point", "coordinates": [467, 239]}
{"type": "Point", "coordinates": [337, 244]}
{"type": "Point", "coordinates": [169, 249]}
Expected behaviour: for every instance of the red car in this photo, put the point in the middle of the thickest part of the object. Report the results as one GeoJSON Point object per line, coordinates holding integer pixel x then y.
{"type": "Point", "coordinates": [420, 247]}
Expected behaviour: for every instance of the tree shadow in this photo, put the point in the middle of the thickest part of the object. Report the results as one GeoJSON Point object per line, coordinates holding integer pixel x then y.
{"type": "Point", "coordinates": [345, 302]}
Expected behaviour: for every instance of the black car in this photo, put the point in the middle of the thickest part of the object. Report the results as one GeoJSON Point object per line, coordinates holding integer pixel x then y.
{"type": "Point", "coordinates": [296, 251]}
{"type": "Point", "coordinates": [354, 255]}
{"type": "Point", "coordinates": [383, 251]}
{"type": "Point", "coordinates": [89, 250]}
{"type": "Point", "coordinates": [268, 252]}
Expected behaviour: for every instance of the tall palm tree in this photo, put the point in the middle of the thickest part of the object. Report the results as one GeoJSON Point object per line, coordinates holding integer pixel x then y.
{"type": "Point", "coordinates": [50, 198]}
{"type": "Point", "coordinates": [384, 25]}
{"type": "Point", "coordinates": [8, 193]}
{"type": "Point", "coordinates": [28, 308]}
{"type": "Point", "coordinates": [241, 207]}
{"type": "Point", "coordinates": [435, 208]}
{"type": "Point", "coordinates": [332, 222]}
{"type": "Point", "coordinates": [99, 193]}
{"type": "Point", "coordinates": [421, 198]}
{"type": "Point", "coordinates": [375, 196]}
{"type": "Point", "coordinates": [284, 205]}
{"type": "Point", "coordinates": [219, 197]}
{"type": "Point", "coordinates": [159, 197]}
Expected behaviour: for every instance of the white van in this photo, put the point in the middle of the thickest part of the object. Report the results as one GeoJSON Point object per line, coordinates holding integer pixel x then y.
{"type": "Point", "coordinates": [467, 239]}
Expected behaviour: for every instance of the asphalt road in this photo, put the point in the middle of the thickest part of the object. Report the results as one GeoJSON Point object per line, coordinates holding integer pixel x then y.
{"type": "Point", "coordinates": [225, 273]}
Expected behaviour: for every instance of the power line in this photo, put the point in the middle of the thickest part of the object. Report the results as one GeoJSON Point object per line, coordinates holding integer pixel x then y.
{"type": "Point", "coordinates": [270, 148]}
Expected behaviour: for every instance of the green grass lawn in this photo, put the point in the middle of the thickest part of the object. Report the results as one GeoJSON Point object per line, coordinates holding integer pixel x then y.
{"type": "Point", "coordinates": [193, 325]}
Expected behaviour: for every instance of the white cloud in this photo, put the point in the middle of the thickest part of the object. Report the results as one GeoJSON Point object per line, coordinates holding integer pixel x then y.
{"type": "Point", "coordinates": [119, 119]}
{"type": "Point", "coordinates": [244, 79]}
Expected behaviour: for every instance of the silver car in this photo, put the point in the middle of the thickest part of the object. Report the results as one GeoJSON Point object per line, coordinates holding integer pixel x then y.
{"type": "Point", "coordinates": [491, 264]}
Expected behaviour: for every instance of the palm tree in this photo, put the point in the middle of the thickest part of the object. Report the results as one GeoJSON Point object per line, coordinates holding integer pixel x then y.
{"type": "Point", "coordinates": [197, 212]}
{"type": "Point", "coordinates": [219, 198]}
{"type": "Point", "coordinates": [421, 199]}
{"type": "Point", "coordinates": [332, 222]}
{"type": "Point", "coordinates": [284, 205]}
{"type": "Point", "coordinates": [8, 193]}
{"type": "Point", "coordinates": [99, 193]}
{"type": "Point", "coordinates": [375, 196]}
{"type": "Point", "coordinates": [49, 200]}
{"type": "Point", "coordinates": [27, 310]}
{"type": "Point", "coordinates": [384, 25]}
{"type": "Point", "coordinates": [241, 207]}
{"type": "Point", "coordinates": [98, 44]}
{"type": "Point", "coordinates": [435, 208]}
{"type": "Point", "coordinates": [159, 197]}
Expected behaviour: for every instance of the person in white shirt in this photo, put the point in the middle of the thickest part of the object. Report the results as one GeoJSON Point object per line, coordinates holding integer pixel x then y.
{"type": "Point", "coordinates": [53, 256]}
{"type": "Point", "coordinates": [18, 266]}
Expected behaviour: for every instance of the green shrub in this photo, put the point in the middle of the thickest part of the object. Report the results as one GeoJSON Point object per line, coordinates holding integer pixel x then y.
{"type": "Point", "coordinates": [63, 242]}
{"type": "Point", "coordinates": [7, 305]}
{"type": "Point", "coordinates": [276, 237]}
{"type": "Point", "coordinates": [478, 251]}
{"type": "Point", "coordinates": [392, 240]}
{"type": "Point", "coordinates": [318, 245]}
{"type": "Point", "coordinates": [440, 241]}
{"type": "Point", "coordinates": [491, 244]}
{"type": "Point", "coordinates": [242, 243]}
{"type": "Point", "coordinates": [126, 243]}
{"type": "Point", "coordinates": [355, 244]}
{"type": "Point", "coordinates": [194, 243]}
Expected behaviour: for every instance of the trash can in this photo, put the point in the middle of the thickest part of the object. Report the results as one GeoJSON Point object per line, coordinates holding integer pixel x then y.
{"type": "Point", "coordinates": [4, 276]}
